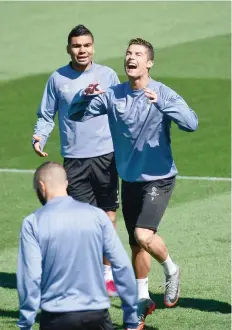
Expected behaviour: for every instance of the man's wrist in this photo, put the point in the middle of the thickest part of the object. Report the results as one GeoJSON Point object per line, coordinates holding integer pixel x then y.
{"type": "Point", "coordinates": [34, 141]}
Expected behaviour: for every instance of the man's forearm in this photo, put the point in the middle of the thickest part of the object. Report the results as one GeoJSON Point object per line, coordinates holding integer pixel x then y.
{"type": "Point", "coordinates": [43, 129]}
{"type": "Point", "coordinates": [29, 270]}
{"type": "Point", "coordinates": [180, 113]}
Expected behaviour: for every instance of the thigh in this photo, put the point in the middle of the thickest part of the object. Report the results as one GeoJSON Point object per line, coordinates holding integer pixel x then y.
{"type": "Point", "coordinates": [78, 174]}
{"type": "Point", "coordinates": [156, 195]}
{"type": "Point", "coordinates": [104, 179]}
{"type": "Point", "coordinates": [131, 207]}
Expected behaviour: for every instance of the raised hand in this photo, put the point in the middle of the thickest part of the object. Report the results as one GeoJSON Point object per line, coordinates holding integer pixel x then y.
{"type": "Point", "coordinates": [151, 95]}
{"type": "Point", "coordinates": [92, 89]}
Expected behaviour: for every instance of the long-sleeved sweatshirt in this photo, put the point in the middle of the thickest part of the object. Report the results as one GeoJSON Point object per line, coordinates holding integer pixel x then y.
{"type": "Point", "coordinates": [140, 129]}
{"type": "Point", "coordinates": [60, 266]}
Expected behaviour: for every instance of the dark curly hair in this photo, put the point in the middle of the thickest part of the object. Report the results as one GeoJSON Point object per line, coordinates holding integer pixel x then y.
{"type": "Point", "coordinates": [79, 30]}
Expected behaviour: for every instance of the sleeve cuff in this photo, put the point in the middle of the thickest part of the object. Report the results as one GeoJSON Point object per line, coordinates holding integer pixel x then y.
{"type": "Point", "coordinates": [131, 320]}
{"type": "Point", "coordinates": [41, 143]}
{"type": "Point", "coordinates": [34, 141]}
{"type": "Point", "coordinates": [131, 325]}
{"type": "Point", "coordinates": [25, 328]}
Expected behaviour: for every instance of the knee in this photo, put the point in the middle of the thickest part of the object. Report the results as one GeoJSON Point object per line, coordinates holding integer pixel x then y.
{"type": "Point", "coordinates": [136, 250]}
{"type": "Point", "coordinates": [112, 216]}
{"type": "Point", "coordinates": [144, 237]}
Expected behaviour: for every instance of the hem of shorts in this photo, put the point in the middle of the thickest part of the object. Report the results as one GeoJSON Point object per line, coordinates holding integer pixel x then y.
{"type": "Point", "coordinates": [146, 227]}
{"type": "Point", "coordinates": [87, 156]}
{"type": "Point", "coordinates": [105, 306]}
{"type": "Point", "coordinates": [109, 208]}
{"type": "Point", "coordinates": [152, 179]}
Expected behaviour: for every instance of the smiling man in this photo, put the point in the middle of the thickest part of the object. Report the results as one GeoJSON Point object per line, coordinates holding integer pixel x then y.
{"type": "Point", "coordinates": [86, 147]}
{"type": "Point", "coordinates": [140, 113]}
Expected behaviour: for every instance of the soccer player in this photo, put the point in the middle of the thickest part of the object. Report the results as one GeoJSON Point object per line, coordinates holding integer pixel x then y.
{"type": "Point", "coordinates": [140, 113]}
{"type": "Point", "coordinates": [60, 261]}
{"type": "Point", "coordinates": [86, 147]}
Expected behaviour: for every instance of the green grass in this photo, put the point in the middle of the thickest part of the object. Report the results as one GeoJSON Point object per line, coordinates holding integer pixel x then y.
{"type": "Point", "coordinates": [196, 228]}
{"type": "Point", "coordinates": [193, 54]}
{"type": "Point", "coordinates": [209, 97]}
{"type": "Point", "coordinates": [36, 32]}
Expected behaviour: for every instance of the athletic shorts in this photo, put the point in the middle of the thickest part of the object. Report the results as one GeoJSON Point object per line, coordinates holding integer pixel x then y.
{"type": "Point", "coordinates": [144, 203]}
{"type": "Point", "coordinates": [93, 180]}
{"type": "Point", "coordinates": [85, 320]}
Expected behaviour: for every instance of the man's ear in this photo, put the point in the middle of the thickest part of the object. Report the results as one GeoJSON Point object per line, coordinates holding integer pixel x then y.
{"type": "Point", "coordinates": [150, 64]}
{"type": "Point", "coordinates": [68, 49]}
{"type": "Point", "coordinates": [41, 186]}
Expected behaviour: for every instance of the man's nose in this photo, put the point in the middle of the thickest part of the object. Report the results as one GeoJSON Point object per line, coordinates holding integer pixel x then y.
{"type": "Point", "coordinates": [82, 49]}
{"type": "Point", "coordinates": [131, 57]}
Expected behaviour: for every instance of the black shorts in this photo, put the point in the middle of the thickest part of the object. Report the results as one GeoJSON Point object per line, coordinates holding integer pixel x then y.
{"type": "Point", "coordinates": [93, 180]}
{"type": "Point", "coordinates": [86, 320]}
{"type": "Point", "coordinates": [144, 203]}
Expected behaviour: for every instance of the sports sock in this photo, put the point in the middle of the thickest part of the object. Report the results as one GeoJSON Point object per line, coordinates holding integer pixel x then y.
{"type": "Point", "coordinates": [142, 285]}
{"type": "Point", "coordinates": [169, 266]}
{"type": "Point", "coordinates": [108, 273]}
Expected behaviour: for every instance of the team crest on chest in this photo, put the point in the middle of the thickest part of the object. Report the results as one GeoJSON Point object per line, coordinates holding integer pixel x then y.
{"type": "Point", "coordinates": [120, 106]}
{"type": "Point", "coordinates": [65, 89]}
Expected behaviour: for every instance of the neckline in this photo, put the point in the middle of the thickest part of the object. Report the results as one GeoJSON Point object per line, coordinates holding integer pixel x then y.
{"type": "Point", "coordinates": [81, 72]}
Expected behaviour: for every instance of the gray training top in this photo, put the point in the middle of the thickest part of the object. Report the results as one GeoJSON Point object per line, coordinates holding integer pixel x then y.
{"type": "Point", "coordinates": [140, 129]}
{"type": "Point", "coordinates": [78, 140]}
{"type": "Point", "coordinates": [60, 266]}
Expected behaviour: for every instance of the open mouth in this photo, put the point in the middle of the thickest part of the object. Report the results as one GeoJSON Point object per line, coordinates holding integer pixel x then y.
{"type": "Point", "coordinates": [131, 66]}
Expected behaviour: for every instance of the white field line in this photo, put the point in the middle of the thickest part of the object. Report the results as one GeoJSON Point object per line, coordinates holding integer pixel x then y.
{"type": "Point", "coordinates": [203, 178]}
{"type": "Point", "coordinates": [15, 170]}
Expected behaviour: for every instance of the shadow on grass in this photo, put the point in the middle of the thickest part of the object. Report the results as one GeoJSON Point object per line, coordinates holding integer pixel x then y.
{"type": "Point", "coordinates": [15, 315]}
{"type": "Point", "coordinates": [204, 305]}
{"type": "Point", "coordinates": [8, 280]}
{"type": "Point", "coordinates": [9, 314]}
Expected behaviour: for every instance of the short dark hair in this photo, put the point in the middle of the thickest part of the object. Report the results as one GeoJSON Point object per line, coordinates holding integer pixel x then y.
{"type": "Point", "coordinates": [79, 30]}
{"type": "Point", "coordinates": [142, 42]}
{"type": "Point", "coordinates": [44, 167]}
